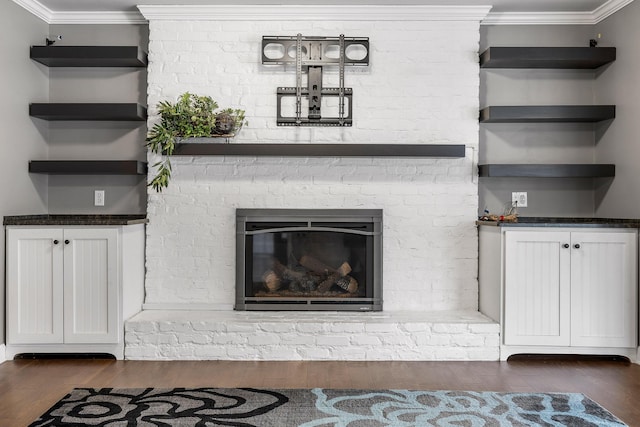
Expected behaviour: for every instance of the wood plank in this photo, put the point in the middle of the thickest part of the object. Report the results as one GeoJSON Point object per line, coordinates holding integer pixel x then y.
{"type": "Point", "coordinates": [88, 167]}
{"type": "Point", "coordinates": [547, 114]}
{"type": "Point", "coordinates": [547, 170]}
{"type": "Point", "coordinates": [30, 387]}
{"type": "Point", "coordinates": [547, 57]}
{"type": "Point", "coordinates": [89, 56]}
{"type": "Point", "coordinates": [88, 111]}
{"type": "Point", "coordinates": [321, 150]}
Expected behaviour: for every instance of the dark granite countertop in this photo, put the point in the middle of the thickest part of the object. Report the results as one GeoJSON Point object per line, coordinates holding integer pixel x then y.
{"type": "Point", "coordinates": [565, 222]}
{"type": "Point", "coordinates": [75, 219]}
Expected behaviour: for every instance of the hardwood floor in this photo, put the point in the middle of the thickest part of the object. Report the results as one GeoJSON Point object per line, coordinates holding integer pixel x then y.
{"type": "Point", "coordinates": [29, 387]}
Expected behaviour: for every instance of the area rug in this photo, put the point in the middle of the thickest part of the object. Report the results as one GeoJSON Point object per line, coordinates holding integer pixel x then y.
{"type": "Point", "coordinates": [247, 407]}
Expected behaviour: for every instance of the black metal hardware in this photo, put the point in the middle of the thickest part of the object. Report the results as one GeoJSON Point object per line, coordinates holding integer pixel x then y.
{"type": "Point", "coordinates": [577, 246]}
{"type": "Point", "coordinates": [566, 246]}
{"type": "Point", "coordinates": [55, 242]}
{"type": "Point", "coordinates": [311, 54]}
{"type": "Point", "coordinates": [66, 242]}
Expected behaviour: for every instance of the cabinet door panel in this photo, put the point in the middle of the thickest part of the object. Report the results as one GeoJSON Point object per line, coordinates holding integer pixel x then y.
{"type": "Point", "coordinates": [91, 292]}
{"type": "Point", "coordinates": [34, 286]}
{"type": "Point", "coordinates": [536, 288]}
{"type": "Point", "coordinates": [603, 289]}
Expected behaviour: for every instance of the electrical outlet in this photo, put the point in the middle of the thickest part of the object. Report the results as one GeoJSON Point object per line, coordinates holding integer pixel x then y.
{"type": "Point", "coordinates": [98, 198]}
{"type": "Point", "coordinates": [519, 199]}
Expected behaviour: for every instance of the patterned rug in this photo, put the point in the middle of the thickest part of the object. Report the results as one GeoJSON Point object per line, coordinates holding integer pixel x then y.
{"type": "Point", "coordinates": [322, 408]}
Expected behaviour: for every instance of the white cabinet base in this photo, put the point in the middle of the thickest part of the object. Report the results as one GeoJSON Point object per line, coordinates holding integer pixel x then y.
{"type": "Point", "coordinates": [70, 288]}
{"type": "Point", "coordinates": [117, 350]}
{"type": "Point", "coordinates": [509, 350]}
{"type": "Point", "coordinates": [561, 290]}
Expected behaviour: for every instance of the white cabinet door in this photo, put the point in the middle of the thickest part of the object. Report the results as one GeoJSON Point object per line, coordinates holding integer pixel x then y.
{"type": "Point", "coordinates": [537, 288]}
{"type": "Point", "coordinates": [603, 289]}
{"type": "Point", "coordinates": [34, 286]}
{"type": "Point", "coordinates": [91, 309]}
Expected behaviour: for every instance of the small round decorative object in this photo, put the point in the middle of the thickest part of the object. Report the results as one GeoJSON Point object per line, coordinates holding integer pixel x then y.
{"type": "Point", "coordinates": [225, 123]}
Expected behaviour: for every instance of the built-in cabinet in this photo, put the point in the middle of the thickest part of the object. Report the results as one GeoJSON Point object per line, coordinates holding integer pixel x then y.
{"type": "Point", "coordinates": [561, 290]}
{"type": "Point", "coordinates": [69, 289]}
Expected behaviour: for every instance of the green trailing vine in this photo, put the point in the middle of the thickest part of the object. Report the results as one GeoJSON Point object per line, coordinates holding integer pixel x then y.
{"type": "Point", "coordinates": [190, 117]}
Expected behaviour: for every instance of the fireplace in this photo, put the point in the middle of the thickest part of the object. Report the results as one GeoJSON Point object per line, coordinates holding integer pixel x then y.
{"type": "Point", "coordinates": [309, 259]}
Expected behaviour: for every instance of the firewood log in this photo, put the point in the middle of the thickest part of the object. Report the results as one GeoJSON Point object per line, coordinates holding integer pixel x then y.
{"type": "Point", "coordinates": [347, 283]}
{"type": "Point", "coordinates": [327, 283]}
{"type": "Point", "coordinates": [318, 266]}
{"type": "Point", "coordinates": [299, 280]}
{"type": "Point", "coordinates": [271, 281]}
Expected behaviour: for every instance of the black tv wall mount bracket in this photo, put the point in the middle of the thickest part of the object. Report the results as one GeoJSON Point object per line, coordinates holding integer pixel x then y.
{"type": "Point", "coordinates": [310, 54]}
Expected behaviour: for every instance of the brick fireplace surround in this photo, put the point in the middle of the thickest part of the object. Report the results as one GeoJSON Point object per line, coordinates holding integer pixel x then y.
{"type": "Point", "coordinates": [422, 87]}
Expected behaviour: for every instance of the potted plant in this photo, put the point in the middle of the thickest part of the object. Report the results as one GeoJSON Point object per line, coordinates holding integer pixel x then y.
{"type": "Point", "coordinates": [191, 116]}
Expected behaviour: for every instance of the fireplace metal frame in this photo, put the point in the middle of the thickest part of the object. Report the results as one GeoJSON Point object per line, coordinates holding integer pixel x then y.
{"type": "Point", "coordinates": [310, 216]}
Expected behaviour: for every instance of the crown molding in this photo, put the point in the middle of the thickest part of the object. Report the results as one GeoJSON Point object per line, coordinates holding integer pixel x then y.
{"type": "Point", "coordinates": [556, 18]}
{"type": "Point", "coordinates": [539, 18]}
{"type": "Point", "coordinates": [313, 13]}
{"type": "Point", "coordinates": [36, 8]}
{"type": "Point", "coordinates": [104, 17]}
{"type": "Point", "coordinates": [332, 13]}
{"type": "Point", "coordinates": [609, 8]}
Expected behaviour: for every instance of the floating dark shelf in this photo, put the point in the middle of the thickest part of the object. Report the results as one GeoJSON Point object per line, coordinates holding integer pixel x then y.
{"type": "Point", "coordinates": [88, 167]}
{"type": "Point", "coordinates": [548, 114]}
{"type": "Point", "coordinates": [321, 150]}
{"type": "Point", "coordinates": [95, 111]}
{"type": "Point", "coordinates": [547, 57]}
{"type": "Point", "coordinates": [547, 170]}
{"type": "Point", "coordinates": [89, 56]}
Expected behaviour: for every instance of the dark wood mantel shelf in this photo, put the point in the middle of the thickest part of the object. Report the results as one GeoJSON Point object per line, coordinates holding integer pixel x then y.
{"type": "Point", "coordinates": [321, 150]}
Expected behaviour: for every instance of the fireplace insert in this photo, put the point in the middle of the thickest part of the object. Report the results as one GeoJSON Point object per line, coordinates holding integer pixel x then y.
{"type": "Point", "coordinates": [309, 259]}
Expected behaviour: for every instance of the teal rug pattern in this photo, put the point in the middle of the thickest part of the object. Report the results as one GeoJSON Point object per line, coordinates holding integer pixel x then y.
{"type": "Point", "coordinates": [248, 407]}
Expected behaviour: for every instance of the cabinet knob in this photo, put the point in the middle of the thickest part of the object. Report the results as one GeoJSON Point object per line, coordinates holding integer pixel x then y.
{"type": "Point", "coordinates": [66, 242]}
{"type": "Point", "coordinates": [566, 246]}
{"type": "Point", "coordinates": [577, 246]}
{"type": "Point", "coordinates": [55, 242]}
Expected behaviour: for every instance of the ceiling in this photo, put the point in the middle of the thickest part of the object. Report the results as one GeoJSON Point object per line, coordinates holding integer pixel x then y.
{"type": "Point", "coordinates": [505, 11]}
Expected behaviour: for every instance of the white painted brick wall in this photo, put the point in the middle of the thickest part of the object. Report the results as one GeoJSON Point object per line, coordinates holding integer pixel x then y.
{"type": "Point", "coordinates": [311, 336]}
{"type": "Point", "coordinates": [421, 88]}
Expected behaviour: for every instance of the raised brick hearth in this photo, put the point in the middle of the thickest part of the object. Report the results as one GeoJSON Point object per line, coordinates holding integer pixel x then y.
{"type": "Point", "coordinates": [228, 335]}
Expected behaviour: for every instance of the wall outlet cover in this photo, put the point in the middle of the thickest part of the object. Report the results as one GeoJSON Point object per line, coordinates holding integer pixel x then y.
{"type": "Point", "coordinates": [98, 198]}
{"type": "Point", "coordinates": [519, 199]}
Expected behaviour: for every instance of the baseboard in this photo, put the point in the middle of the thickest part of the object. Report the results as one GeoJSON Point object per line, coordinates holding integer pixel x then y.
{"type": "Point", "coordinates": [187, 306]}
{"type": "Point", "coordinates": [630, 353]}
{"type": "Point", "coordinates": [3, 353]}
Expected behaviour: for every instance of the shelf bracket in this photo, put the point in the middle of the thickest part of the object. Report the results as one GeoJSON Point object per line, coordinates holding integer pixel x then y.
{"type": "Point", "coordinates": [310, 55]}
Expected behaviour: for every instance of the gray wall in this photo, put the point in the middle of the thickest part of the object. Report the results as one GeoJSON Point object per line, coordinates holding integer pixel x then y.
{"type": "Point", "coordinates": [78, 140]}
{"type": "Point", "coordinates": [538, 143]}
{"type": "Point", "coordinates": [620, 84]}
{"type": "Point", "coordinates": [22, 138]}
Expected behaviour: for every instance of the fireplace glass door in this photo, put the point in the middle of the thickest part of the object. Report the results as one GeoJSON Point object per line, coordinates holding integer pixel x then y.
{"type": "Point", "coordinates": [314, 263]}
